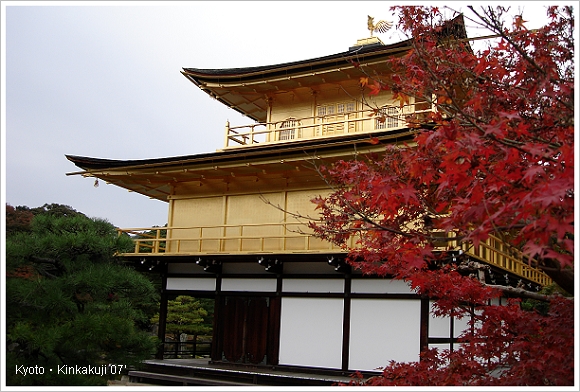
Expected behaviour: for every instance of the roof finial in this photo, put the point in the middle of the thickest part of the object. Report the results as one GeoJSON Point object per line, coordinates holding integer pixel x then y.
{"type": "Point", "coordinates": [381, 27]}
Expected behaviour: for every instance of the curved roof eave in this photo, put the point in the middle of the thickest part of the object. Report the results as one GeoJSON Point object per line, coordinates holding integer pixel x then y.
{"type": "Point", "coordinates": [259, 151]}
{"type": "Point", "coordinates": [217, 82]}
{"type": "Point", "coordinates": [454, 27]}
{"type": "Point", "coordinates": [249, 73]}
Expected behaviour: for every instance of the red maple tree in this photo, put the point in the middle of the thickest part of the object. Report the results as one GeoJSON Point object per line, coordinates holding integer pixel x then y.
{"type": "Point", "coordinates": [496, 157]}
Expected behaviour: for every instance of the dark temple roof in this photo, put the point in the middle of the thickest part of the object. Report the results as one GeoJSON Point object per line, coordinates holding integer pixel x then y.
{"type": "Point", "coordinates": [154, 177]}
{"type": "Point", "coordinates": [262, 151]}
{"type": "Point", "coordinates": [249, 73]}
{"type": "Point", "coordinates": [246, 90]}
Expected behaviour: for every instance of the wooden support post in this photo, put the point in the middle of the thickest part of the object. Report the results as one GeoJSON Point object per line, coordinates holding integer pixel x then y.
{"type": "Point", "coordinates": [424, 329]}
{"type": "Point", "coordinates": [346, 322]}
{"type": "Point", "coordinates": [157, 237]}
{"type": "Point", "coordinates": [162, 314]}
{"type": "Point", "coordinates": [227, 140]}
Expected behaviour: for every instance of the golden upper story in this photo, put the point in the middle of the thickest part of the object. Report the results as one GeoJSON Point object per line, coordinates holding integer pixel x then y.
{"type": "Point", "coordinates": [314, 106]}
{"type": "Point", "coordinates": [311, 99]}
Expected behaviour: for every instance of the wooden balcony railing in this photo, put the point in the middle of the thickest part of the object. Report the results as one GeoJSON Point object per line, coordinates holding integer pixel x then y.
{"type": "Point", "coordinates": [291, 238]}
{"type": "Point", "coordinates": [336, 124]}
{"type": "Point", "coordinates": [500, 254]}
{"type": "Point", "coordinates": [226, 239]}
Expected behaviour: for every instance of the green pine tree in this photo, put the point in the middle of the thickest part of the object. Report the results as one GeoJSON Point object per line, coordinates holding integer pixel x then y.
{"type": "Point", "coordinates": [70, 302]}
{"type": "Point", "coordinates": [188, 315]}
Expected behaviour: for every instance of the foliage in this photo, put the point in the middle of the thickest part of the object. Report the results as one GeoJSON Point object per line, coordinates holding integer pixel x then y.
{"type": "Point", "coordinates": [543, 307]}
{"type": "Point", "coordinates": [69, 302]}
{"type": "Point", "coordinates": [152, 246]}
{"type": "Point", "coordinates": [56, 210]}
{"type": "Point", "coordinates": [496, 157]}
{"type": "Point", "coordinates": [17, 219]}
{"type": "Point", "coordinates": [188, 315]}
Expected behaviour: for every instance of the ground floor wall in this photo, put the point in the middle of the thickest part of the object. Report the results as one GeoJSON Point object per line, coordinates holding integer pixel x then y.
{"type": "Point", "coordinates": [305, 313]}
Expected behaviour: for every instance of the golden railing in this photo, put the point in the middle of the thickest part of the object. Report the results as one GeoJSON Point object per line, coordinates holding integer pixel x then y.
{"type": "Point", "coordinates": [362, 121]}
{"type": "Point", "coordinates": [496, 252]}
{"type": "Point", "coordinates": [291, 238]}
{"type": "Point", "coordinates": [230, 239]}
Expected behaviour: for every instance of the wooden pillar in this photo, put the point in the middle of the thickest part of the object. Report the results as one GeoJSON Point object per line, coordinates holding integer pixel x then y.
{"type": "Point", "coordinates": [346, 322]}
{"type": "Point", "coordinates": [274, 323]}
{"type": "Point", "coordinates": [218, 316]}
{"type": "Point", "coordinates": [162, 313]}
{"type": "Point", "coordinates": [227, 134]}
{"type": "Point", "coordinates": [424, 330]}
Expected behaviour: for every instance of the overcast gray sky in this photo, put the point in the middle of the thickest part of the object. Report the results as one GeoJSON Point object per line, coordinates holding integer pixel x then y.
{"type": "Point", "coordinates": [103, 80]}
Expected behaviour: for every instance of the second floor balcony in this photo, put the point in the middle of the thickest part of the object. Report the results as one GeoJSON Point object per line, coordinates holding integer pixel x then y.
{"type": "Point", "coordinates": [330, 121]}
{"type": "Point", "coordinates": [292, 238]}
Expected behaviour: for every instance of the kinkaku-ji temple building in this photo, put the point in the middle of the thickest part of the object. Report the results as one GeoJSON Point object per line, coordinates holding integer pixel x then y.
{"type": "Point", "coordinates": [284, 304]}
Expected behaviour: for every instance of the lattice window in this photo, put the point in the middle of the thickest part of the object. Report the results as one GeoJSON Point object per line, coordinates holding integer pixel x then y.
{"type": "Point", "coordinates": [336, 116]}
{"type": "Point", "coordinates": [288, 130]}
{"type": "Point", "coordinates": [387, 118]}
{"type": "Point", "coordinates": [335, 108]}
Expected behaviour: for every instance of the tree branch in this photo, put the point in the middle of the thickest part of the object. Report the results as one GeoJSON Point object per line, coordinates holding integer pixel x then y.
{"type": "Point", "coordinates": [521, 293]}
